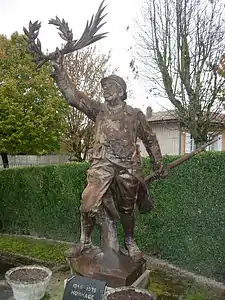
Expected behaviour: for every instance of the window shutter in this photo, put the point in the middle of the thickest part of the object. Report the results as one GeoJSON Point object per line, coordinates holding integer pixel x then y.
{"type": "Point", "coordinates": [219, 143]}
{"type": "Point", "coordinates": [208, 147]}
{"type": "Point", "coordinates": [188, 143]}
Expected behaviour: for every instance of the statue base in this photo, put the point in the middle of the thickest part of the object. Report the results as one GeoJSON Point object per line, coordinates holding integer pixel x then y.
{"type": "Point", "coordinates": [115, 268]}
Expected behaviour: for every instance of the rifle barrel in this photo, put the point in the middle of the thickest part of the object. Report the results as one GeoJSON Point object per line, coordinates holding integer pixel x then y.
{"type": "Point", "coordinates": [150, 178]}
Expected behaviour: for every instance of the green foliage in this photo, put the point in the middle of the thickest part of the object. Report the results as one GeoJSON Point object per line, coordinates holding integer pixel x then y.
{"type": "Point", "coordinates": [42, 200]}
{"type": "Point", "coordinates": [165, 284]}
{"type": "Point", "coordinates": [196, 296]}
{"type": "Point", "coordinates": [187, 227]}
{"type": "Point", "coordinates": [38, 249]}
{"type": "Point", "coordinates": [32, 111]}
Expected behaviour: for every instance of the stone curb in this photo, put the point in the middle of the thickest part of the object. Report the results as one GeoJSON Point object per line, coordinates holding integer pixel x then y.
{"type": "Point", "coordinates": [159, 264]}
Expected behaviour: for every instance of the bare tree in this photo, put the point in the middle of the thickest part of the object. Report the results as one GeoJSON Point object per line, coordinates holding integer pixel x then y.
{"type": "Point", "coordinates": [180, 44]}
{"type": "Point", "coordinates": [86, 68]}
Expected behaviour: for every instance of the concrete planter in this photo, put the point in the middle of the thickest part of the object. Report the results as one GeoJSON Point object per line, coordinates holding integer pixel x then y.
{"type": "Point", "coordinates": [24, 290]}
{"type": "Point", "coordinates": [143, 281]}
{"type": "Point", "coordinates": [138, 291]}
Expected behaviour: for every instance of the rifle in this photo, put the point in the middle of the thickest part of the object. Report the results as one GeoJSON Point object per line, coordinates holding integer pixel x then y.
{"type": "Point", "coordinates": [154, 176]}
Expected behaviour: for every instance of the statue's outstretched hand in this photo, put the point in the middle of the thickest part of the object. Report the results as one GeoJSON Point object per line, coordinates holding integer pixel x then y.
{"type": "Point", "coordinates": [57, 62]}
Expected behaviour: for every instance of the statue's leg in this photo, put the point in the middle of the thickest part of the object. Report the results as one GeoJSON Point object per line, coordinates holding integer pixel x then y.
{"type": "Point", "coordinates": [87, 225]}
{"type": "Point", "coordinates": [85, 243]}
{"type": "Point", "coordinates": [128, 223]}
{"type": "Point", "coordinates": [107, 222]}
{"type": "Point", "coordinates": [99, 179]}
{"type": "Point", "coordinates": [127, 186]}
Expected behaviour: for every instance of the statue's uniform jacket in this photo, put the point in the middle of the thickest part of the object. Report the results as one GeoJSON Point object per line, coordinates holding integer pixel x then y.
{"type": "Point", "coordinates": [114, 178]}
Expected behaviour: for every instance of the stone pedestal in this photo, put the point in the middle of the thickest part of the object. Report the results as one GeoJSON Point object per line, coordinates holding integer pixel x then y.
{"type": "Point", "coordinates": [113, 267]}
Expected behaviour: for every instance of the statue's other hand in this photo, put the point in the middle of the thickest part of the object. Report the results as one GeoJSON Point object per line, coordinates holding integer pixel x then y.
{"type": "Point", "coordinates": [164, 173]}
{"type": "Point", "coordinates": [160, 170]}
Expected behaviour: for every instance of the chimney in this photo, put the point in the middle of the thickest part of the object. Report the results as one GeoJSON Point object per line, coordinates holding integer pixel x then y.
{"type": "Point", "coordinates": [148, 112]}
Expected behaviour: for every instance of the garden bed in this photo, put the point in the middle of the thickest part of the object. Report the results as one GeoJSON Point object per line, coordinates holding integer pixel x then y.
{"type": "Point", "coordinates": [27, 250]}
{"type": "Point", "coordinates": [165, 280]}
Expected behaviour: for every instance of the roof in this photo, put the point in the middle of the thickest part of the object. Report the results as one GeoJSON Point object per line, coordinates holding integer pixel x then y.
{"type": "Point", "coordinates": [166, 115]}
{"type": "Point", "coordinates": [170, 115]}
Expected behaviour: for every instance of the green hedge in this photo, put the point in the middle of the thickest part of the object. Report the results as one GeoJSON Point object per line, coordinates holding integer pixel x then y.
{"type": "Point", "coordinates": [187, 226]}
{"type": "Point", "coordinates": [42, 201]}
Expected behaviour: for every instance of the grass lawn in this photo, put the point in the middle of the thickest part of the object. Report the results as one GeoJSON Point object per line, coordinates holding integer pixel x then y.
{"type": "Point", "coordinates": [34, 248]}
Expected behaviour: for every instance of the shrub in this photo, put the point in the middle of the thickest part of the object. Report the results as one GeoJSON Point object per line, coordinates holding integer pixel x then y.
{"type": "Point", "coordinates": [187, 226]}
{"type": "Point", "coordinates": [42, 201]}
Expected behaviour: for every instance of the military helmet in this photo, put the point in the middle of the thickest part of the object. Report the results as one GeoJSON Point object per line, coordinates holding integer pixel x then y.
{"type": "Point", "coordinates": [118, 80]}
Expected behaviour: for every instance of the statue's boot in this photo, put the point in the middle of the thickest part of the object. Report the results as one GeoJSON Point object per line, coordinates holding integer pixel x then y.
{"type": "Point", "coordinates": [127, 222]}
{"type": "Point", "coordinates": [87, 225]}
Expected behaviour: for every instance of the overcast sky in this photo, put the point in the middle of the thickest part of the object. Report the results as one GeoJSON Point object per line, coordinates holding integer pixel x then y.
{"type": "Point", "coordinates": [14, 14]}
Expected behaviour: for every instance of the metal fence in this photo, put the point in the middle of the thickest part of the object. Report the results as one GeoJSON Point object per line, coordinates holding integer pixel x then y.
{"type": "Point", "coordinates": [33, 160]}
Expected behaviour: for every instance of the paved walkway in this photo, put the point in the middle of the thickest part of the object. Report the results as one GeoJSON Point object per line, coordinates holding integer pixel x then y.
{"type": "Point", "coordinates": [5, 291]}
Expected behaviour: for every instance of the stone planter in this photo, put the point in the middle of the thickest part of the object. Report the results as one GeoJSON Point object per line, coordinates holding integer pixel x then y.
{"type": "Point", "coordinates": [125, 293]}
{"type": "Point", "coordinates": [143, 281]}
{"type": "Point", "coordinates": [28, 282]}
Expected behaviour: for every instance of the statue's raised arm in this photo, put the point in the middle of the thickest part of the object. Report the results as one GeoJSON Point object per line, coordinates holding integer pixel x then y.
{"type": "Point", "coordinates": [72, 95]}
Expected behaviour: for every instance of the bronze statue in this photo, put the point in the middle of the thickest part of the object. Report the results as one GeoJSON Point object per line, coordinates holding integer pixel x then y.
{"type": "Point", "coordinates": [115, 183]}
{"type": "Point", "coordinates": [114, 179]}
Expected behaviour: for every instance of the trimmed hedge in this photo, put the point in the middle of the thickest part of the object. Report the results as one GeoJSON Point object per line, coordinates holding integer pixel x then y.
{"type": "Point", "coordinates": [187, 226]}
{"type": "Point", "coordinates": [42, 201]}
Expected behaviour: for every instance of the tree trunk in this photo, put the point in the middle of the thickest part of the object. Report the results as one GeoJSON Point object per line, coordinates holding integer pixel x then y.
{"type": "Point", "coordinates": [5, 160]}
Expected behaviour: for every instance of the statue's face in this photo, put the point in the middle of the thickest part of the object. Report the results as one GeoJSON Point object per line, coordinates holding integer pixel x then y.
{"type": "Point", "coordinates": [112, 91]}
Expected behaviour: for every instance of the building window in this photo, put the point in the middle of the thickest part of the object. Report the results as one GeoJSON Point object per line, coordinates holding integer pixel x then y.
{"type": "Point", "coordinates": [217, 146]}
{"type": "Point", "coordinates": [190, 145]}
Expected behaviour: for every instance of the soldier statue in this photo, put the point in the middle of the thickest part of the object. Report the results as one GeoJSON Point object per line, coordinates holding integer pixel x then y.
{"type": "Point", "coordinates": [114, 180]}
